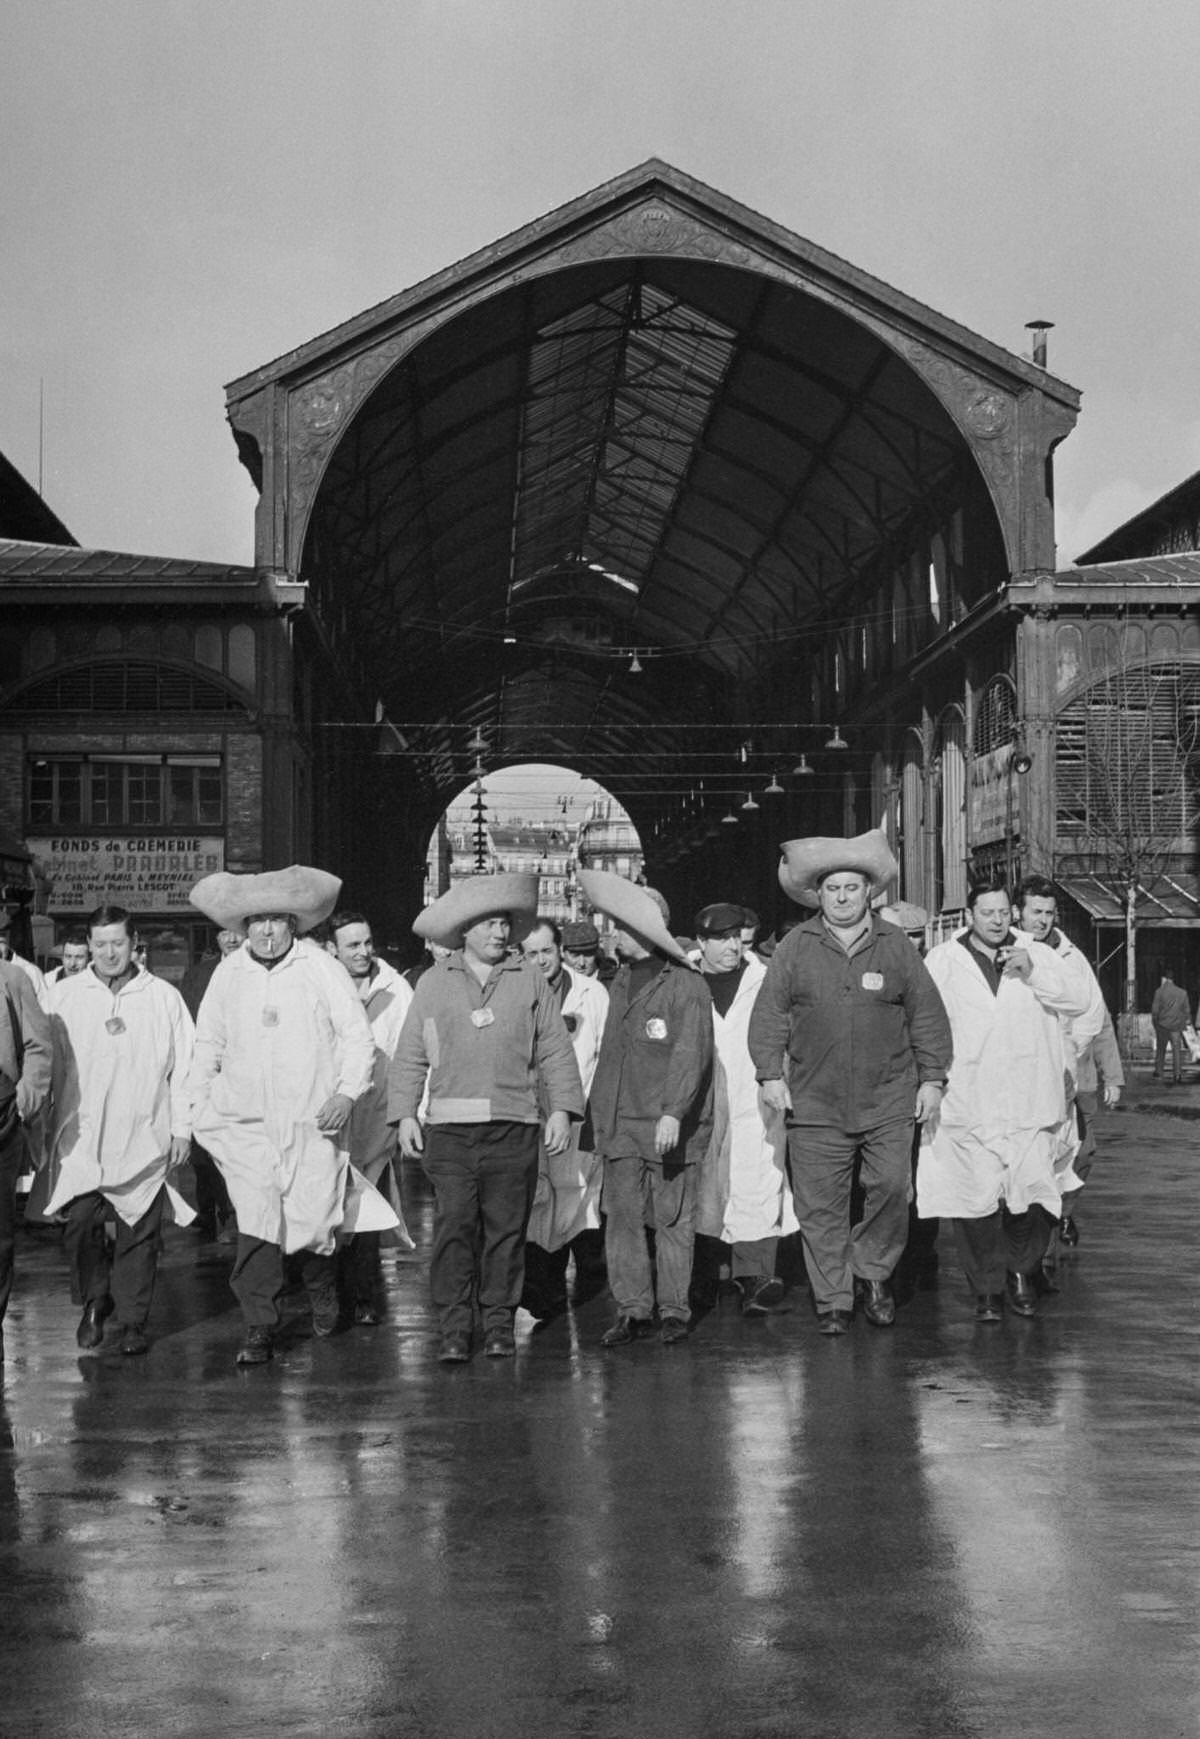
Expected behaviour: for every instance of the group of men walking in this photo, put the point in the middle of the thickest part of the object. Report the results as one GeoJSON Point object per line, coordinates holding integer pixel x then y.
{"type": "Point", "coordinates": [554, 1115]}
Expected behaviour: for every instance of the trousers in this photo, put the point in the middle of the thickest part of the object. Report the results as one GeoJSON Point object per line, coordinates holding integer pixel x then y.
{"type": "Point", "coordinates": [1001, 1243]}
{"type": "Point", "coordinates": [637, 1193]}
{"type": "Point", "coordinates": [12, 1155]}
{"type": "Point", "coordinates": [484, 1176]}
{"type": "Point", "coordinates": [822, 1163]}
{"type": "Point", "coordinates": [127, 1273]}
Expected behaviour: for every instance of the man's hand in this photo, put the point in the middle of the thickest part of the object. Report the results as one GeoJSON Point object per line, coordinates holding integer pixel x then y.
{"type": "Point", "coordinates": [666, 1135]}
{"type": "Point", "coordinates": [557, 1133]}
{"type": "Point", "coordinates": [1017, 964]}
{"type": "Point", "coordinates": [412, 1142]}
{"type": "Point", "coordinates": [929, 1104]}
{"type": "Point", "coordinates": [181, 1151]}
{"type": "Point", "coordinates": [775, 1096]}
{"type": "Point", "coordinates": [1112, 1095]}
{"type": "Point", "coordinates": [334, 1114]}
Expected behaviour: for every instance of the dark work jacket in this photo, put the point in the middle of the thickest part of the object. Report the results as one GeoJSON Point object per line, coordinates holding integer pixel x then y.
{"type": "Point", "coordinates": [852, 1034]}
{"type": "Point", "coordinates": [656, 1060]}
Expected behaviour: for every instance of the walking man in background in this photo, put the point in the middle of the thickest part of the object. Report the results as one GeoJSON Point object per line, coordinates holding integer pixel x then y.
{"type": "Point", "coordinates": [26, 1060]}
{"type": "Point", "coordinates": [652, 1109]}
{"type": "Point", "coordinates": [1170, 1013]}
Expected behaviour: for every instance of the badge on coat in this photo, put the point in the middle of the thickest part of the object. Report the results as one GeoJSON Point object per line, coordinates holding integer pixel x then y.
{"type": "Point", "coordinates": [482, 1017]}
{"type": "Point", "coordinates": [571, 1022]}
{"type": "Point", "coordinates": [656, 1028]}
{"type": "Point", "coordinates": [270, 1017]}
{"type": "Point", "coordinates": [115, 1025]}
{"type": "Point", "coordinates": [872, 980]}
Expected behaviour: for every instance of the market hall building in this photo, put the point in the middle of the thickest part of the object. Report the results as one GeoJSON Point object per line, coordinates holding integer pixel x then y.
{"type": "Point", "coordinates": [653, 489]}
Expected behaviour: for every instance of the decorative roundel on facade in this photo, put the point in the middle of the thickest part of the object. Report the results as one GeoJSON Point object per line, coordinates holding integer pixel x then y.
{"type": "Point", "coordinates": [322, 409]}
{"type": "Point", "coordinates": [988, 415]}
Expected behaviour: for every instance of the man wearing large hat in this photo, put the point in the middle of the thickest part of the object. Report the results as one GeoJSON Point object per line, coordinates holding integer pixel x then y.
{"type": "Point", "coordinates": [850, 1038]}
{"type": "Point", "coordinates": [652, 1110]}
{"type": "Point", "coordinates": [485, 1039]}
{"type": "Point", "coordinates": [283, 1050]}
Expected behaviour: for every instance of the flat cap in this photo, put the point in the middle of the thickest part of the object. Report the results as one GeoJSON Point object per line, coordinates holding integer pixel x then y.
{"type": "Point", "coordinates": [720, 920]}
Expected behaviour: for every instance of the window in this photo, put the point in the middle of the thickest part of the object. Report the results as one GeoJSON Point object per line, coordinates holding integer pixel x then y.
{"type": "Point", "coordinates": [125, 791]}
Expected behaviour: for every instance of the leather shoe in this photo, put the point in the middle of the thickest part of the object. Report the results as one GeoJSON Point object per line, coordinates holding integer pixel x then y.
{"type": "Point", "coordinates": [673, 1330]}
{"type": "Point", "coordinates": [1068, 1232]}
{"type": "Point", "coordinates": [989, 1307]}
{"type": "Point", "coordinates": [90, 1332]}
{"type": "Point", "coordinates": [759, 1296]}
{"type": "Point", "coordinates": [1022, 1298]}
{"type": "Point", "coordinates": [499, 1343]}
{"type": "Point", "coordinates": [257, 1348]}
{"type": "Point", "coordinates": [624, 1330]}
{"type": "Point", "coordinates": [455, 1348]}
{"type": "Point", "coordinates": [879, 1307]}
{"type": "Point", "coordinates": [133, 1340]}
{"type": "Point", "coordinates": [366, 1316]}
{"type": "Point", "coordinates": [834, 1321]}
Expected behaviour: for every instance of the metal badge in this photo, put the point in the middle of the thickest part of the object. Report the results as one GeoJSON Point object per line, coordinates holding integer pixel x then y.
{"type": "Point", "coordinates": [482, 1017]}
{"type": "Point", "coordinates": [270, 1017]}
{"type": "Point", "coordinates": [114, 1025]}
{"type": "Point", "coordinates": [872, 980]}
{"type": "Point", "coordinates": [656, 1028]}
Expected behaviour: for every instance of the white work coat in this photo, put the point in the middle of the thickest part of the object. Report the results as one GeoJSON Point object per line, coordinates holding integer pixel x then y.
{"type": "Point", "coordinates": [271, 1047]}
{"type": "Point", "coordinates": [744, 1192]}
{"type": "Point", "coordinates": [998, 1133]}
{"type": "Point", "coordinates": [121, 1063]}
{"type": "Point", "coordinates": [385, 997]}
{"type": "Point", "coordinates": [567, 1198]}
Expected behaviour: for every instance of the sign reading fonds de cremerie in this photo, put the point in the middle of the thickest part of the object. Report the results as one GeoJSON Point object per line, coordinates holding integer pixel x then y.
{"type": "Point", "coordinates": [147, 874]}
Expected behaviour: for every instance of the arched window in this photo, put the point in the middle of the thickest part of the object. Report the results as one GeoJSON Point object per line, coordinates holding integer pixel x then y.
{"type": "Point", "coordinates": [995, 715]}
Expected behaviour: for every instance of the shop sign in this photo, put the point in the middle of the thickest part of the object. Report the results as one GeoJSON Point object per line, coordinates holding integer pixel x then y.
{"type": "Point", "coordinates": [990, 785]}
{"type": "Point", "coordinates": [141, 873]}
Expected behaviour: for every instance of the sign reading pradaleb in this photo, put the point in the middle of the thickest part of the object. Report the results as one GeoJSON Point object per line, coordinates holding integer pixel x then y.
{"type": "Point", "coordinates": [145, 875]}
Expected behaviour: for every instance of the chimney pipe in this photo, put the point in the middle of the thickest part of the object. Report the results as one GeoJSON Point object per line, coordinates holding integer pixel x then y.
{"type": "Point", "coordinates": [1039, 328]}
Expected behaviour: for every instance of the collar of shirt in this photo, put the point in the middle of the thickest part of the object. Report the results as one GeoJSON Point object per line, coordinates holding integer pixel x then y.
{"type": "Point", "coordinates": [849, 939]}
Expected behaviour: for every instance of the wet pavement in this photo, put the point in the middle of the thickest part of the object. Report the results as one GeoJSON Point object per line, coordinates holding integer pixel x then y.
{"type": "Point", "coordinates": [940, 1530]}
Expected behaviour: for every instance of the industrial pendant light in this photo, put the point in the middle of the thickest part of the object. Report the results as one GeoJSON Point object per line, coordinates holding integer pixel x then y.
{"type": "Point", "coordinates": [774, 789]}
{"type": "Point", "coordinates": [837, 740]}
{"type": "Point", "coordinates": [802, 770]}
{"type": "Point", "coordinates": [749, 804]}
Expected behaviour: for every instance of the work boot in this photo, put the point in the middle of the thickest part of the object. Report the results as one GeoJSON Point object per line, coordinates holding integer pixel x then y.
{"type": "Point", "coordinates": [760, 1294]}
{"type": "Point", "coordinates": [258, 1346]}
{"type": "Point", "coordinates": [624, 1330]}
{"type": "Point", "coordinates": [879, 1307]}
{"type": "Point", "coordinates": [133, 1340]}
{"type": "Point", "coordinates": [90, 1332]}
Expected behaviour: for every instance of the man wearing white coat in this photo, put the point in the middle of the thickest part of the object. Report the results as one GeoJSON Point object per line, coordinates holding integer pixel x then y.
{"type": "Point", "coordinates": [283, 1050]}
{"type": "Point", "coordinates": [744, 1196]}
{"type": "Point", "coordinates": [566, 1206]}
{"type": "Point", "coordinates": [993, 1166]}
{"type": "Point", "coordinates": [385, 995]}
{"type": "Point", "coordinates": [120, 1123]}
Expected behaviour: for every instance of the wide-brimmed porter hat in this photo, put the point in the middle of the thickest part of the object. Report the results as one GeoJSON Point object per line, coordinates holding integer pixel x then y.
{"type": "Point", "coordinates": [308, 895]}
{"type": "Point", "coordinates": [805, 863]}
{"type": "Point", "coordinates": [475, 897]}
{"type": "Point", "coordinates": [631, 908]}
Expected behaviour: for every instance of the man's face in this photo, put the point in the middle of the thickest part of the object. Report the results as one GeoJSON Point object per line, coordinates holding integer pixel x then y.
{"type": "Point", "coordinates": [844, 897]}
{"type": "Point", "coordinates": [269, 935]}
{"type": "Point", "coordinates": [990, 917]}
{"type": "Point", "coordinates": [487, 938]}
{"type": "Point", "coordinates": [629, 946]}
{"type": "Point", "coordinates": [1039, 914]}
{"type": "Point", "coordinates": [112, 949]}
{"type": "Point", "coordinates": [588, 964]}
{"type": "Point", "coordinates": [542, 951]}
{"type": "Point", "coordinates": [721, 953]}
{"type": "Point", "coordinates": [228, 942]}
{"type": "Point", "coordinates": [74, 958]}
{"type": "Point", "coordinates": [355, 948]}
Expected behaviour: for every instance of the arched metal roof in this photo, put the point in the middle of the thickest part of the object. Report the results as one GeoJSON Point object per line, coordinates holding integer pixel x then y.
{"type": "Point", "coordinates": [632, 452]}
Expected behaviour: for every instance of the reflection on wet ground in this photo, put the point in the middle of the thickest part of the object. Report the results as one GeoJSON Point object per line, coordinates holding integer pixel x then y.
{"type": "Point", "coordinates": [941, 1530]}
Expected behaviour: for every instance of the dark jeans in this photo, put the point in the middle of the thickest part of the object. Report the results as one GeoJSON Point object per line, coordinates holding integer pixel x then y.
{"type": "Point", "coordinates": [128, 1271]}
{"type": "Point", "coordinates": [1000, 1244]}
{"type": "Point", "coordinates": [483, 1176]}
{"type": "Point", "coordinates": [12, 1155]}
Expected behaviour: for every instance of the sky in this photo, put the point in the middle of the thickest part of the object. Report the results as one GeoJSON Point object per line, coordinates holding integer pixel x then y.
{"type": "Point", "coordinates": [192, 187]}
